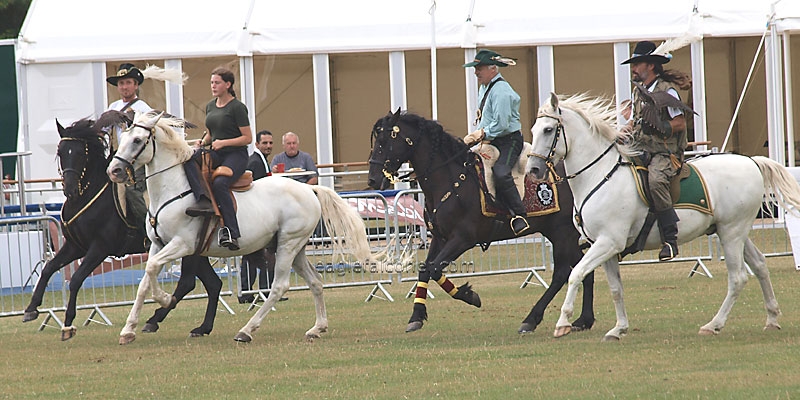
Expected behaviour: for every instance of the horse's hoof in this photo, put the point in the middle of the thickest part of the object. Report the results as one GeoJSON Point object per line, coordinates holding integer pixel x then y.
{"type": "Point", "coordinates": [579, 326]}
{"type": "Point", "coordinates": [150, 327]}
{"type": "Point", "coordinates": [30, 316]}
{"type": "Point", "coordinates": [67, 333]}
{"type": "Point", "coordinates": [526, 328]}
{"type": "Point", "coordinates": [127, 338]}
{"type": "Point", "coordinates": [610, 338]}
{"type": "Point", "coordinates": [707, 332]}
{"type": "Point", "coordinates": [562, 331]}
{"type": "Point", "coordinates": [772, 327]}
{"type": "Point", "coordinates": [311, 337]}
{"type": "Point", "coordinates": [414, 326]}
{"type": "Point", "coordinates": [242, 337]}
{"type": "Point", "coordinates": [467, 295]}
{"type": "Point", "coordinates": [199, 332]}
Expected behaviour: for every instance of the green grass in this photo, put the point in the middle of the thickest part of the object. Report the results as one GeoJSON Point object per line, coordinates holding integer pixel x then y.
{"type": "Point", "coordinates": [461, 351]}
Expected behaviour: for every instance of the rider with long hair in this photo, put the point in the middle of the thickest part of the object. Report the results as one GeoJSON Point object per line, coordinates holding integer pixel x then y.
{"type": "Point", "coordinates": [228, 135]}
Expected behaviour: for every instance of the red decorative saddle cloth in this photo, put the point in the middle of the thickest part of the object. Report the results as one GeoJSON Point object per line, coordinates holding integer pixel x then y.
{"type": "Point", "coordinates": [541, 197]}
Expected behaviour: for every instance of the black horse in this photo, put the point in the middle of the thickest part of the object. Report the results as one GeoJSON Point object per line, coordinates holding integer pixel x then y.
{"type": "Point", "coordinates": [94, 229]}
{"type": "Point", "coordinates": [446, 173]}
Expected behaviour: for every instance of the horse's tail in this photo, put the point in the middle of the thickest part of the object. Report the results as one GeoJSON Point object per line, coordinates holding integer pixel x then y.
{"type": "Point", "coordinates": [779, 185]}
{"type": "Point", "coordinates": [345, 224]}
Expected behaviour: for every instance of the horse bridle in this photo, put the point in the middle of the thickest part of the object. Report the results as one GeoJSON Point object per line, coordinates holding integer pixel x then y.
{"type": "Point", "coordinates": [551, 165]}
{"type": "Point", "coordinates": [82, 173]}
{"type": "Point", "coordinates": [129, 164]}
{"type": "Point", "coordinates": [391, 175]}
{"type": "Point", "coordinates": [548, 160]}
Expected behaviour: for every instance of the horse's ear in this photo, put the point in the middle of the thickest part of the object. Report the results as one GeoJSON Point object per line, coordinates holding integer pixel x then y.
{"type": "Point", "coordinates": [395, 116]}
{"type": "Point", "coordinates": [60, 128]}
{"type": "Point", "coordinates": [554, 101]}
{"type": "Point", "coordinates": [151, 119]}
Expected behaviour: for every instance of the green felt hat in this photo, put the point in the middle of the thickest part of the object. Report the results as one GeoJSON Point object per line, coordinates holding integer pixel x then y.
{"type": "Point", "coordinates": [488, 57]}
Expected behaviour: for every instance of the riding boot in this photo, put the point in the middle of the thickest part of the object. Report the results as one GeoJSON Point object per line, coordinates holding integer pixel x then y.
{"type": "Point", "coordinates": [225, 239]}
{"type": "Point", "coordinates": [200, 188]}
{"type": "Point", "coordinates": [510, 195]}
{"type": "Point", "coordinates": [668, 226]}
{"type": "Point", "coordinates": [202, 208]}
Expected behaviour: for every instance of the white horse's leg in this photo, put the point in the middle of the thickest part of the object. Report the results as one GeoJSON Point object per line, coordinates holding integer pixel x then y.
{"type": "Point", "coordinates": [615, 284]}
{"type": "Point", "coordinates": [758, 263]}
{"type": "Point", "coordinates": [172, 251]}
{"type": "Point", "coordinates": [303, 267]}
{"type": "Point", "coordinates": [283, 263]}
{"type": "Point", "coordinates": [601, 250]}
{"type": "Point", "coordinates": [152, 268]}
{"type": "Point", "coordinates": [733, 247]}
{"type": "Point", "coordinates": [128, 333]}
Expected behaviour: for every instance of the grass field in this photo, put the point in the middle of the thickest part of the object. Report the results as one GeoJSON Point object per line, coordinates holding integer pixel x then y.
{"type": "Point", "coordinates": [462, 352]}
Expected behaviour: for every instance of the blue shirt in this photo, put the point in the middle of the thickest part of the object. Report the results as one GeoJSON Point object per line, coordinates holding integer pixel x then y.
{"type": "Point", "coordinates": [500, 114]}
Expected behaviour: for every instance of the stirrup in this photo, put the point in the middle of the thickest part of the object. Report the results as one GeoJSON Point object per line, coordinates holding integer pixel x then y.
{"type": "Point", "coordinates": [224, 237]}
{"type": "Point", "coordinates": [668, 252]}
{"type": "Point", "coordinates": [521, 229]}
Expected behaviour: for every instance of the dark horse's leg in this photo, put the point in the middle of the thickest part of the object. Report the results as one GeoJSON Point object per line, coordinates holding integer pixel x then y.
{"type": "Point", "coordinates": [566, 254]}
{"type": "Point", "coordinates": [92, 259]}
{"type": "Point", "coordinates": [439, 257]}
{"type": "Point", "coordinates": [67, 254]}
{"type": "Point", "coordinates": [191, 267]}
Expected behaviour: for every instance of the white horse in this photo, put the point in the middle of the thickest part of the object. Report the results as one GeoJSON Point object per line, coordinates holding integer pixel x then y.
{"type": "Point", "coordinates": [274, 208]}
{"type": "Point", "coordinates": [581, 130]}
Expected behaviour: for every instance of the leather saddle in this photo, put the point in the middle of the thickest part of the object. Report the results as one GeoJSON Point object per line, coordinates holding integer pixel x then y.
{"type": "Point", "coordinates": [489, 155]}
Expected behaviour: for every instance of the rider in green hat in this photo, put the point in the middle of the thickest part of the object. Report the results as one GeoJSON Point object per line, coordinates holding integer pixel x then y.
{"type": "Point", "coordinates": [498, 123]}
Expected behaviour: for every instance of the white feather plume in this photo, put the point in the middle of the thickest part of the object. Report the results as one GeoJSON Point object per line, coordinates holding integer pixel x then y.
{"type": "Point", "coordinates": [161, 74]}
{"type": "Point", "coordinates": [692, 34]}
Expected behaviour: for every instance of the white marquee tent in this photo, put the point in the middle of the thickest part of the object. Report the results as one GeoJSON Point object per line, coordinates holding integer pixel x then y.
{"type": "Point", "coordinates": [63, 45]}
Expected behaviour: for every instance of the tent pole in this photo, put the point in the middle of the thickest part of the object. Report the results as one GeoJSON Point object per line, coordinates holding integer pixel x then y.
{"type": "Point", "coordinates": [434, 89]}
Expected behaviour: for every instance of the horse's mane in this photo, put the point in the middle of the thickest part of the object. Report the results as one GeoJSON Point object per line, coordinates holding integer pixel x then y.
{"type": "Point", "coordinates": [85, 129]}
{"type": "Point", "coordinates": [441, 140]}
{"type": "Point", "coordinates": [172, 138]}
{"type": "Point", "coordinates": [601, 115]}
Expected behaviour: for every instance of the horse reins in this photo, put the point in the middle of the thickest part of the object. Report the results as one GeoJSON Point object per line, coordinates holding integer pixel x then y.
{"type": "Point", "coordinates": [551, 166]}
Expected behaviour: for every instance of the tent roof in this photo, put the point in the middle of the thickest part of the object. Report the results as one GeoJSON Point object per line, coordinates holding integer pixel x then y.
{"type": "Point", "coordinates": [87, 30]}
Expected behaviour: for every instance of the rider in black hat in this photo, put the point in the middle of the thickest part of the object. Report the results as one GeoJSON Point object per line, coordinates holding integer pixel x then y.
{"type": "Point", "coordinates": [127, 81]}
{"type": "Point", "coordinates": [662, 144]}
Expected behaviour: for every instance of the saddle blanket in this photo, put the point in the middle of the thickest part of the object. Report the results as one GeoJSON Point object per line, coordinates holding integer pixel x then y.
{"type": "Point", "coordinates": [540, 198]}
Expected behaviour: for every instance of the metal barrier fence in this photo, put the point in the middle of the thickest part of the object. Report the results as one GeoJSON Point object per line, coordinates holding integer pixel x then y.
{"type": "Point", "coordinates": [394, 224]}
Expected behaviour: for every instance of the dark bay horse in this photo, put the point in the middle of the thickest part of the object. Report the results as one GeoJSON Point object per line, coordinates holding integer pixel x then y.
{"type": "Point", "coordinates": [445, 170]}
{"type": "Point", "coordinates": [94, 229]}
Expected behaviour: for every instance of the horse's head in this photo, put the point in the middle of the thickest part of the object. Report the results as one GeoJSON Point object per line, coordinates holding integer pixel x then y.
{"type": "Point", "coordinates": [580, 125]}
{"type": "Point", "coordinates": [390, 149]}
{"type": "Point", "coordinates": [135, 149]}
{"type": "Point", "coordinates": [548, 145]}
{"type": "Point", "coordinates": [80, 150]}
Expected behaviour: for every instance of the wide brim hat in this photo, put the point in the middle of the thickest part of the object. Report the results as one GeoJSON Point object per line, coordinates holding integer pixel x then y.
{"type": "Point", "coordinates": [488, 57]}
{"type": "Point", "coordinates": [643, 52]}
{"type": "Point", "coordinates": [126, 71]}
